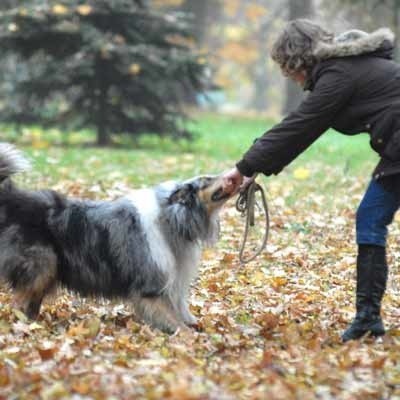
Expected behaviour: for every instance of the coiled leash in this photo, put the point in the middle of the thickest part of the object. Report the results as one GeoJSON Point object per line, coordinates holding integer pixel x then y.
{"type": "Point", "coordinates": [245, 204]}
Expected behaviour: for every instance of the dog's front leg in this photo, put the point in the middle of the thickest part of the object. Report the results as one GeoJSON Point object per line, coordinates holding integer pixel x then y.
{"type": "Point", "coordinates": [159, 313]}
{"type": "Point", "coordinates": [184, 310]}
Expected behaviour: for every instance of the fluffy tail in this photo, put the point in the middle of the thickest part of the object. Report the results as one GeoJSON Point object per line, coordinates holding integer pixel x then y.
{"type": "Point", "coordinates": [12, 161]}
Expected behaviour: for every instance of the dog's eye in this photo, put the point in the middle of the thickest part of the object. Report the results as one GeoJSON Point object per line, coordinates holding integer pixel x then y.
{"type": "Point", "coordinates": [183, 195]}
{"type": "Point", "coordinates": [191, 188]}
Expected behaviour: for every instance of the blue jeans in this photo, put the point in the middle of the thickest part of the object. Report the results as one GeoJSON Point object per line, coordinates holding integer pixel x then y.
{"type": "Point", "coordinates": [376, 211]}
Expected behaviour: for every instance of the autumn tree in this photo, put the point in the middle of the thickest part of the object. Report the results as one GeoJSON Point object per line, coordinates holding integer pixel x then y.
{"type": "Point", "coordinates": [294, 94]}
{"type": "Point", "coordinates": [113, 65]}
{"type": "Point", "coordinates": [239, 34]}
{"type": "Point", "coordinates": [199, 15]}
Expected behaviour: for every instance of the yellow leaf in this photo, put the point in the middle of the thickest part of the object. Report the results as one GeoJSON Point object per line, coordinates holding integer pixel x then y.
{"type": "Point", "coordinates": [20, 315]}
{"type": "Point", "coordinates": [171, 161]}
{"type": "Point", "coordinates": [134, 69]}
{"type": "Point", "coordinates": [4, 327]}
{"type": "Point", "coordinates": [257, 277]}
{"type": "Point", "coordinates": [56, 391]}
{"type": "Point", "coordinates": [167, 3]}
{"type": "Point", "coordinates": [202, 60]}
{"type": "Point", "coordinates": [278, 281]}
{"type": "Point", "coordinates": [234, 32]}
{"type": "Point", "coordinates": [93, 327]}
{"type": "Point", "coordinates": [78, 330]}
{"type": "Point", "coordinates": [301, 173]}
{"type": "Point", "coordinates": [40, 144]}
{"type": "Point", "coordinates": [60, 9]}
{"type": "Point", "coordinates": [84, 9]}
{"type": "Point", "coordinates": [13, 27]}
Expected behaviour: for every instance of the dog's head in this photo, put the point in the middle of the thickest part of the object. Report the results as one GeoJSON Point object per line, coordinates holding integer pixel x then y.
{"type": "Point", "coordinates": [191, 208]}
{"type": "Point", "coordinates": [206, 190]}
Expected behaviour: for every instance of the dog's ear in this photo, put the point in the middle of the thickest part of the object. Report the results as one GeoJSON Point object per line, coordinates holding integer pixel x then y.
{"type": "Point", "coordinates": [184, 195]}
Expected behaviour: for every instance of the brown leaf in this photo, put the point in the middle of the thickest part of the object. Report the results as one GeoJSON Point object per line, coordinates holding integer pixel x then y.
{"type": "Point", "coordinates": [47, 350]}
{"type": "Point", "coordinates": [4, 376]}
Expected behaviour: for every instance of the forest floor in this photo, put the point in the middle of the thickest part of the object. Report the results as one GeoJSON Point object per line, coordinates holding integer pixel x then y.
{"type": "Point", "coordinates": [269, 329]}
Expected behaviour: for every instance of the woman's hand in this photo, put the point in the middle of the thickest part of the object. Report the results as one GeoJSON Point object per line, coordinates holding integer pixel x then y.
{"type": "Point", "coordinates": [247, 181]}
{"type": "Point", "coordinates": [232, 181]}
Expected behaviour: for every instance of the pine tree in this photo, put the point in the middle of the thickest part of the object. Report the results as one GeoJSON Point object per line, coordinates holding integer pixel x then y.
{"type": "Point", "coordinates": [113, 65]}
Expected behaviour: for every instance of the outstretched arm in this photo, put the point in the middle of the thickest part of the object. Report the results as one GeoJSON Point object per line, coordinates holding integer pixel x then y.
{"type": "Point", "coordinates": [285, 141]}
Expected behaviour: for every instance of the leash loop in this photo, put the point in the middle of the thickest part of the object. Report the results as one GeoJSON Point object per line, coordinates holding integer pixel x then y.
{"type": "Point", "coordinates": [246, 204]}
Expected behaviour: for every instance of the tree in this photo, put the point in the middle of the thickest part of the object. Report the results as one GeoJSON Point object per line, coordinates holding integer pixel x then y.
{"type": "Point", "coordinates": [200, 14]}
{"type": "Point", "coordinates": [113, 65]}
{"type": "Point", "coordinates": [294, 94]}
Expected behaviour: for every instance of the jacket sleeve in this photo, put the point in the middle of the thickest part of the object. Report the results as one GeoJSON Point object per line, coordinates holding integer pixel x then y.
{"type": "Point", "coordinates": [285, 141]}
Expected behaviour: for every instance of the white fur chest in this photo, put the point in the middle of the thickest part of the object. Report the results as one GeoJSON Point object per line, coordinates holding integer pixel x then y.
{"type": "Point", "coordinates": [145, 201]}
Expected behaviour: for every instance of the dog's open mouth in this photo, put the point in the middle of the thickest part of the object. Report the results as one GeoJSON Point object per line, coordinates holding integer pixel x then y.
{"type": "Point", "coordinates": [219, 195]}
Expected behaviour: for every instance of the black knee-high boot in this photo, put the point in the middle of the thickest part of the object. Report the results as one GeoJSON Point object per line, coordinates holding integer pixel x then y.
{"type": "Point", "coordinates": [372, 272]}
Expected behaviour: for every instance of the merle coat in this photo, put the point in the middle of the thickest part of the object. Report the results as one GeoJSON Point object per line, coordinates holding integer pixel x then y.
{"type": "Point", "coordinates": [355, 88]}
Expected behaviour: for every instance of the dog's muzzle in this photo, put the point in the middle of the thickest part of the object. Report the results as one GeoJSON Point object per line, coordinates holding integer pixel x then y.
{"type": "Point", "coordinates": [219, 195]}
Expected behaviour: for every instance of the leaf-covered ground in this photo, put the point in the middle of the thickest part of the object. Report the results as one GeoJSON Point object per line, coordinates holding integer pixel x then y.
{"type": "Point", "coordinates": [267, 330]}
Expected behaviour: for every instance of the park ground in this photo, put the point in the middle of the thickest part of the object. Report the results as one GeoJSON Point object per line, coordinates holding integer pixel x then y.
{"type": "Point", "coordinates": [269, 329]}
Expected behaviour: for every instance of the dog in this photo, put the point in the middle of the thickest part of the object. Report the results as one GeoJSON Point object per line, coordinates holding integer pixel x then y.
{"type": "Point", "coordinates": [144, 247]}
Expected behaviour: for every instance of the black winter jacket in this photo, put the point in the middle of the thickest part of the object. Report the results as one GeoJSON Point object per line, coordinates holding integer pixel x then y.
{"type": "Point", "coordinates": [355, 88]}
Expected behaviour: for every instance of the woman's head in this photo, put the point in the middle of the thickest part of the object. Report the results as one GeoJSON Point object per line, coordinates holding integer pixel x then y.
{"type": "Point", "coordinates": [294, 49]}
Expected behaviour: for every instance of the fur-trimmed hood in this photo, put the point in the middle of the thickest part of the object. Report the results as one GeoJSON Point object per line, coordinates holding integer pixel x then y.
{"type": "Point", "coordinates": [355, 43]}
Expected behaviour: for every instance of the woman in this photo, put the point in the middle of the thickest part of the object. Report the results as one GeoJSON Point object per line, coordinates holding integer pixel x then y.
{"type": "Point", "coordinates": [355, 87]}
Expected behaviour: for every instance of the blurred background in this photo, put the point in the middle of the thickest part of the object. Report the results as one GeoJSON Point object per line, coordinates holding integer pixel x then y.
{"type": "Point", "coordinates": [238, 35]}
{"type": "Point", "coordinates": [134, 67]}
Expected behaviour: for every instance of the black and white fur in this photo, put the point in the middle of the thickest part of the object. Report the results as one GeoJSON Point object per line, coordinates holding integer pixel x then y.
{"type": "Point", "coordinates": [144, 247]}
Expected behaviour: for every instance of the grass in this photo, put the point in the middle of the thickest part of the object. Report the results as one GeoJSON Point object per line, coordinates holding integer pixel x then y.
{"type": "Point", "coordinates": [219, 141]}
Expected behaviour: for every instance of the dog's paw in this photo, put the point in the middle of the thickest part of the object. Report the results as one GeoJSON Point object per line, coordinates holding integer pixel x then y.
{"type": "Point", "coordinates": [190, 320]}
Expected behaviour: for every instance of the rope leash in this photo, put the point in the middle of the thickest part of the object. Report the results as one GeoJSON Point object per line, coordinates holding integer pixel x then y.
{"type": "Point", "coordinates": [245, 204]}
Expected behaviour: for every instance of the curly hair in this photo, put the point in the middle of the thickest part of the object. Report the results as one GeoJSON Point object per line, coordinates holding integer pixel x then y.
{"type": "Point", "coordinates": [294, 49]}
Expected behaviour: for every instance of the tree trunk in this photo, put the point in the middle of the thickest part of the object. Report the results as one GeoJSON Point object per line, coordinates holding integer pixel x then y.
{"type": "Point", "coordinates": [260, 99]}
{"type": "Point", "coordinates": [103, 137]}
{"type": "Point", "coordinates": [260, 74]}
{"type": "Point", "coordinates": [200, 11]}
{"type": "Point", "coordinates": [294, 93]}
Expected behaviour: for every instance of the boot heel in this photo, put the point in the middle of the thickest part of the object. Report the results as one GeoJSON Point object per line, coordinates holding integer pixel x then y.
{"type": "Point", "coordinates": [377, 329]}
{"type": "Point", "coordinates": [358, 329]}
